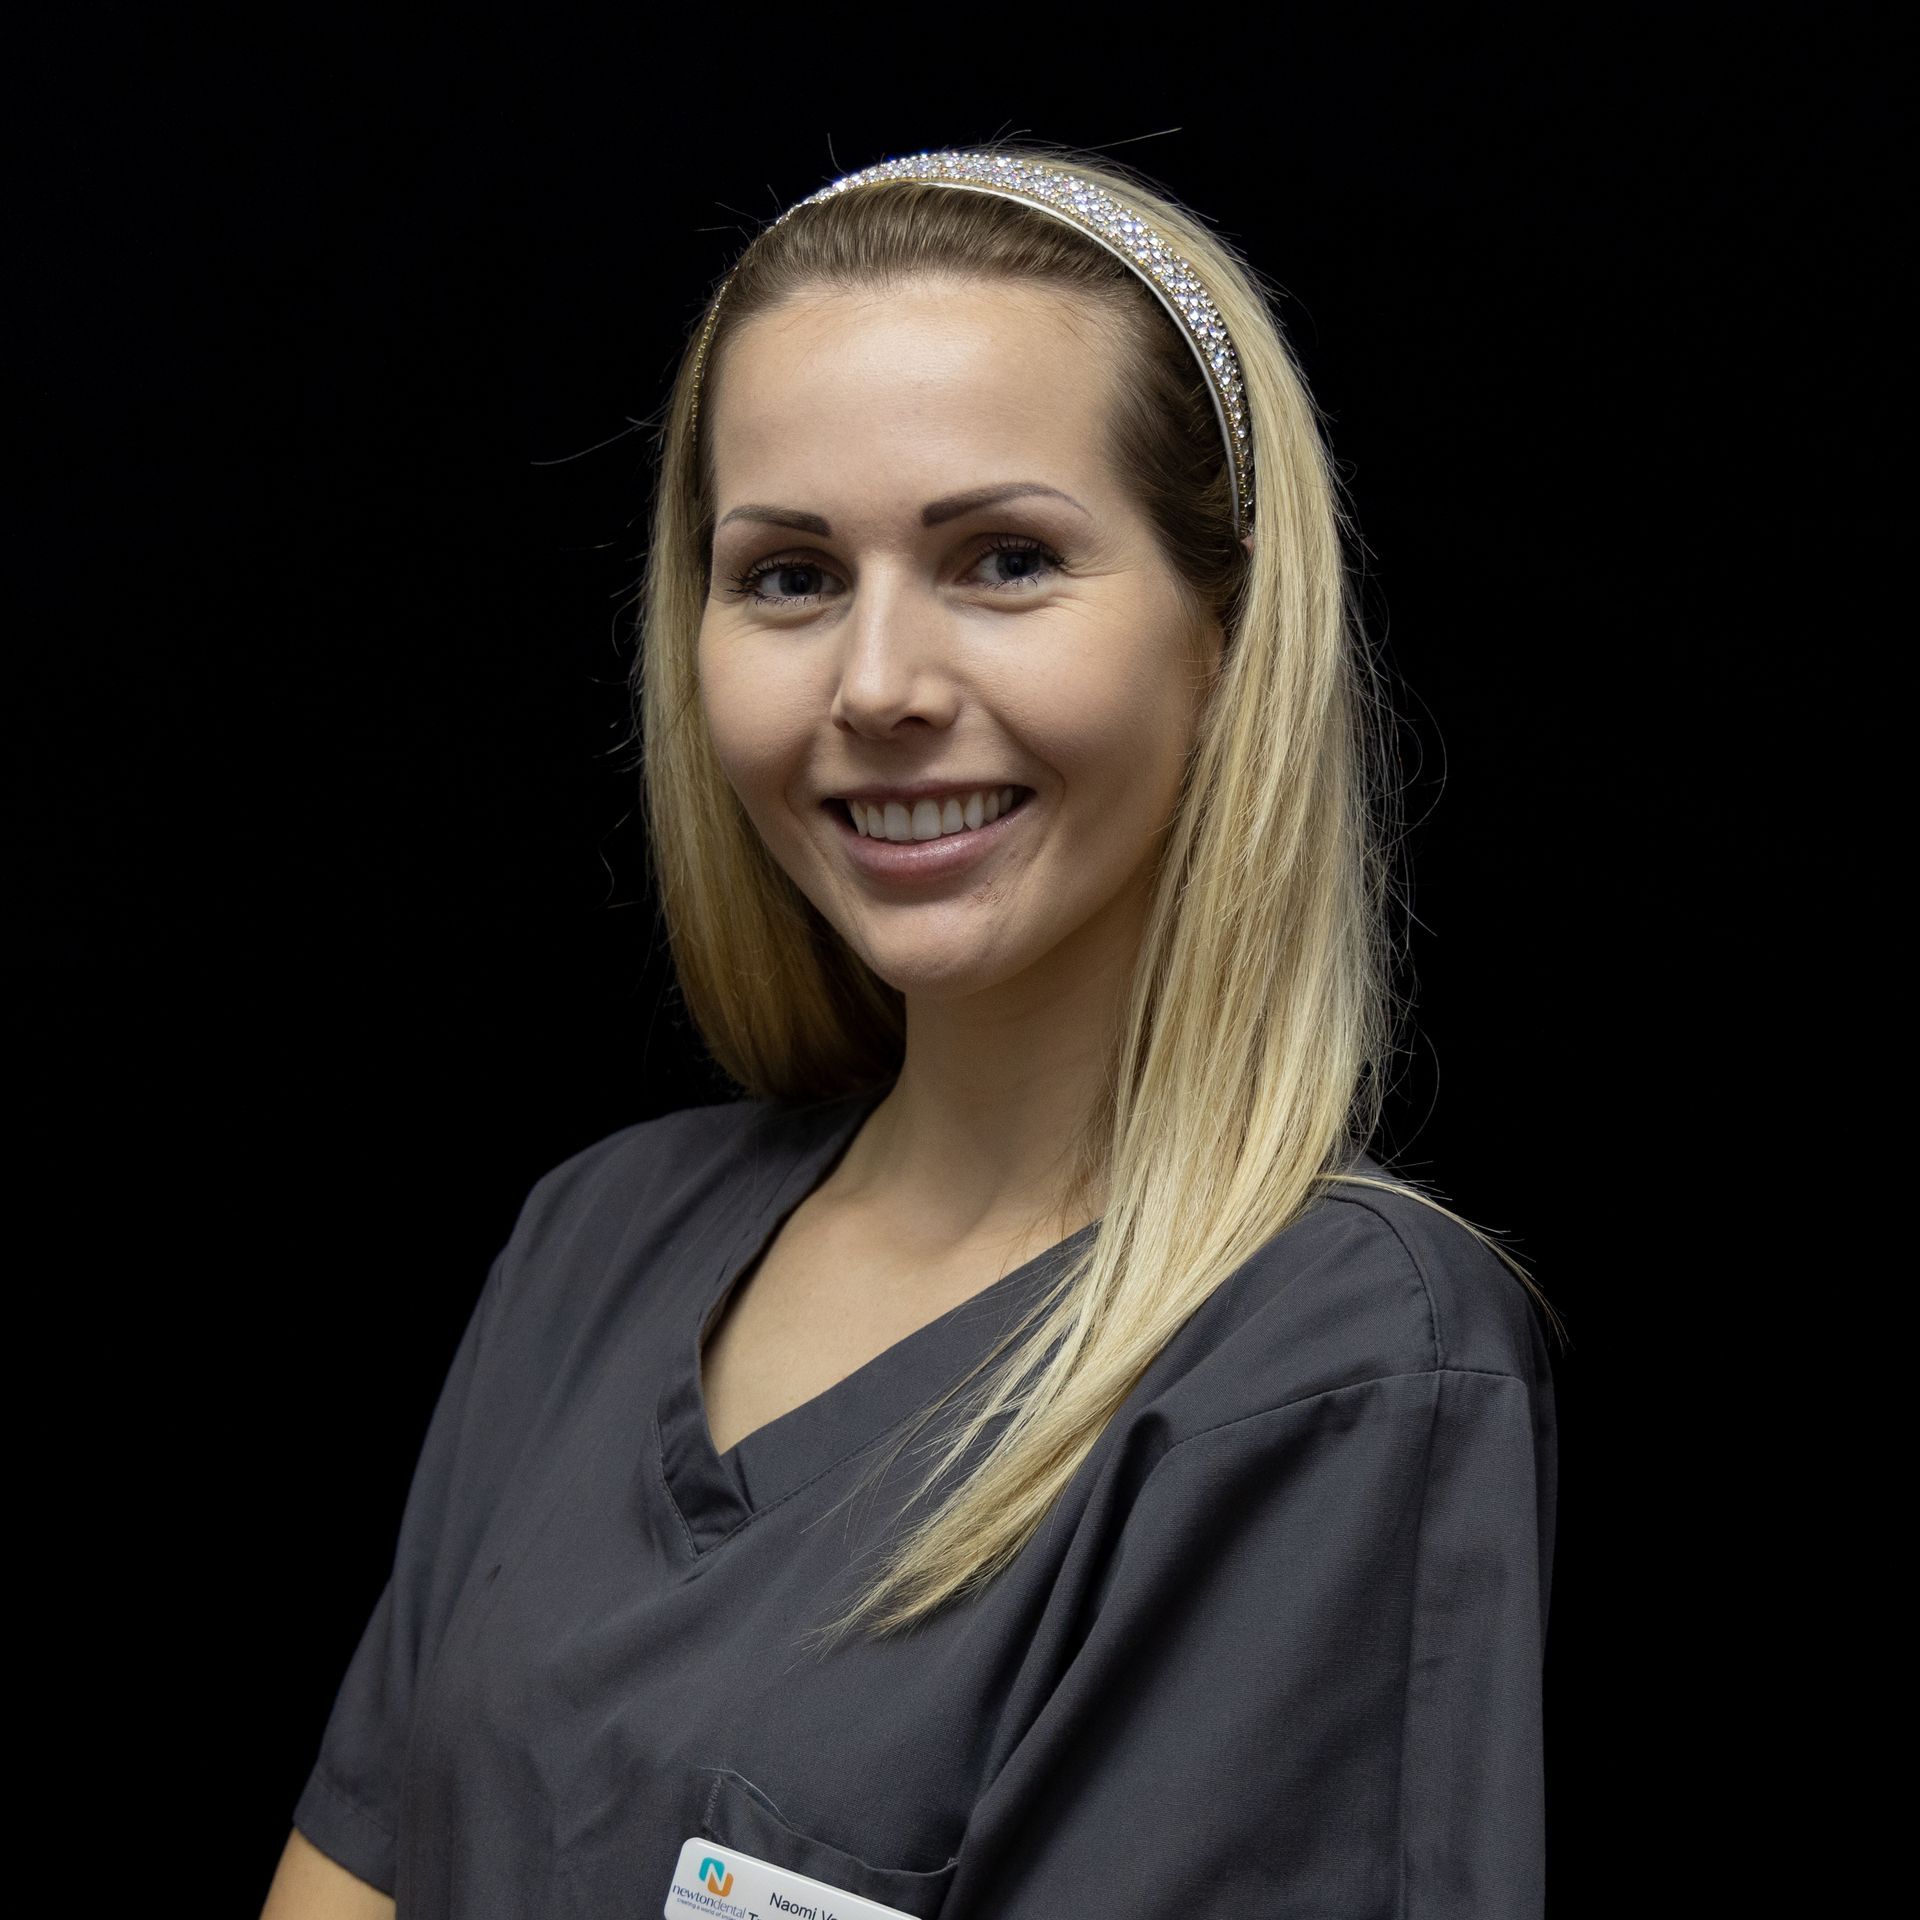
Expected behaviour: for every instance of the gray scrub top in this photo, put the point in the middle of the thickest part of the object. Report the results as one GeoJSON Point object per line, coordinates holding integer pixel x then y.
{"type": "Point", "coordinates": [1277, 1651]}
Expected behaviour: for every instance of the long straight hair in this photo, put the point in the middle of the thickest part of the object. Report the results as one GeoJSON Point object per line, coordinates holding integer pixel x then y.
{"type": "Point", "coordinates": [1246, 1071]}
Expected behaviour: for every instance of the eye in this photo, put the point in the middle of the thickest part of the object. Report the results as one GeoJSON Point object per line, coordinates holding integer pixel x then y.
{"type": "Point", "coordinates": [1034, 555]}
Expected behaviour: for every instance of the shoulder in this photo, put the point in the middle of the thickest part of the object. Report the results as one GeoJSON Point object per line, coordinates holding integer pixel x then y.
{"type": "Point", "coordinates": [1372, 1283]}
{"type": "Point", "coordinates": [648, 1158]}
{"type": "Point", "coordinates": [1475, 1313]}
{"type": "Point", "coordinates": [624, 1206]}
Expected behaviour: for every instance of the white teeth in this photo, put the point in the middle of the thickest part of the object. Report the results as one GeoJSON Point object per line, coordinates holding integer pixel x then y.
{"type": "Point", "coordinates": [931, 819]}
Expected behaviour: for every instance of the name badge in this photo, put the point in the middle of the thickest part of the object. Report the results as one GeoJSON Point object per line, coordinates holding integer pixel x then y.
{"type": "Point", "coordinates": [722, 1883]}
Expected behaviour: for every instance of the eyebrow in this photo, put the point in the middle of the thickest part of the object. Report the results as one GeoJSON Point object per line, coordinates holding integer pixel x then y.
{"type": "Point", "coordinates": [950, 507]}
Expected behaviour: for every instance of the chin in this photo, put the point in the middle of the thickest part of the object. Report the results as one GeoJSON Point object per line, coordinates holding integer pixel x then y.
{"type": "Point", "coordinates": [922, 971]}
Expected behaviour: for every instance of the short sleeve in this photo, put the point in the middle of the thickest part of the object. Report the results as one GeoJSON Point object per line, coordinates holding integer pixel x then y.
{"type": "Point", "coordinates": [349, 1803]}
{"type": "Point", "coordinates": [1313, 1681]}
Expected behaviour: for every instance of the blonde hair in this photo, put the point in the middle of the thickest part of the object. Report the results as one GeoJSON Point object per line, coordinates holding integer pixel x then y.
{"type": "Point", "coordinates": [1246, 1071]}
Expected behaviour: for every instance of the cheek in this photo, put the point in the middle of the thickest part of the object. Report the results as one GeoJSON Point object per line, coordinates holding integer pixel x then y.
{"type": "Point", "coordinates": [743, 710]}
{"type": "Point", "coordinates": [1116, 740]}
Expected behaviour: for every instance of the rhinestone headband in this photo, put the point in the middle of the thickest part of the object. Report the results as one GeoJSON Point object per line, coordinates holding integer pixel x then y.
{"type": "Point", "coordinates": [1114, 226]}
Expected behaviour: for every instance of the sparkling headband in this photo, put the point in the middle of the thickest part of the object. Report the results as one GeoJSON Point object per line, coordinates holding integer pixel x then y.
{"type": "Point", "coordinates": [1117, 228]}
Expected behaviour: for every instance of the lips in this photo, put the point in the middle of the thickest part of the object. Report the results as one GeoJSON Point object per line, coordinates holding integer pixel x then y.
{"type": "Point", "coordinates": [919, 860]}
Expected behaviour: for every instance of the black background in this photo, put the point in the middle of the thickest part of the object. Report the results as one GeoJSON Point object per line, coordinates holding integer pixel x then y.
{"type": "Point", "coordinates": [331, 333]}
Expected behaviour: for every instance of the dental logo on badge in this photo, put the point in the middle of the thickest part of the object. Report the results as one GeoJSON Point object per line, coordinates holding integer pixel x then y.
{"type": "Point", "coordinates": [725, 1885]}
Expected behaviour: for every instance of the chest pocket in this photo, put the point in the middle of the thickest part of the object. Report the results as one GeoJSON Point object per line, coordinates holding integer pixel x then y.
{"type": "Point", "coordinates": [737, 1814]}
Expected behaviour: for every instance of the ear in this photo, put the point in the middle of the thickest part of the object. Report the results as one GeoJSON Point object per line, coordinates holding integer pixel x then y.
{"type": "Point", "coordinates": [1246, 540]}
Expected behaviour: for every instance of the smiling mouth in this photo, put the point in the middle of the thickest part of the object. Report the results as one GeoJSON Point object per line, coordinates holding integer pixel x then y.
{"type": "Point", "coordinates": [843, 810]}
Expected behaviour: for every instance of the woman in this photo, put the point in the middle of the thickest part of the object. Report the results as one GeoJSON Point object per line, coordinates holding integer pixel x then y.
{"type": "Point", "coordinates": [1027, 1458]}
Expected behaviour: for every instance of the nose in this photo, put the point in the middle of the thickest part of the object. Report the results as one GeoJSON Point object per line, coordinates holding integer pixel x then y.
{"type": "Point", "coordinates": [895, 662]}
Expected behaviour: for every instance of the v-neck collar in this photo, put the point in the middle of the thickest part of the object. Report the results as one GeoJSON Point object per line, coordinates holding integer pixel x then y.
{"type": "Point", "coordinates": [717, 1493]}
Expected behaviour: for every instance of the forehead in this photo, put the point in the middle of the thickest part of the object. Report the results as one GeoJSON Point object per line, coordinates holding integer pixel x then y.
{"type": "Point", "coordinates": [929, 372]}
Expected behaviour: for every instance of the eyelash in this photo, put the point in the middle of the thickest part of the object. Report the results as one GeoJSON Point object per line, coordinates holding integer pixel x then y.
{"type": "Point", "coordinates": [743, 583]}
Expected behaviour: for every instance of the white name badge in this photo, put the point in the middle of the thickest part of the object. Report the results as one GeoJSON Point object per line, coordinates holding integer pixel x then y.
{"type": "Point", "coordinates": [723, 1883]}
